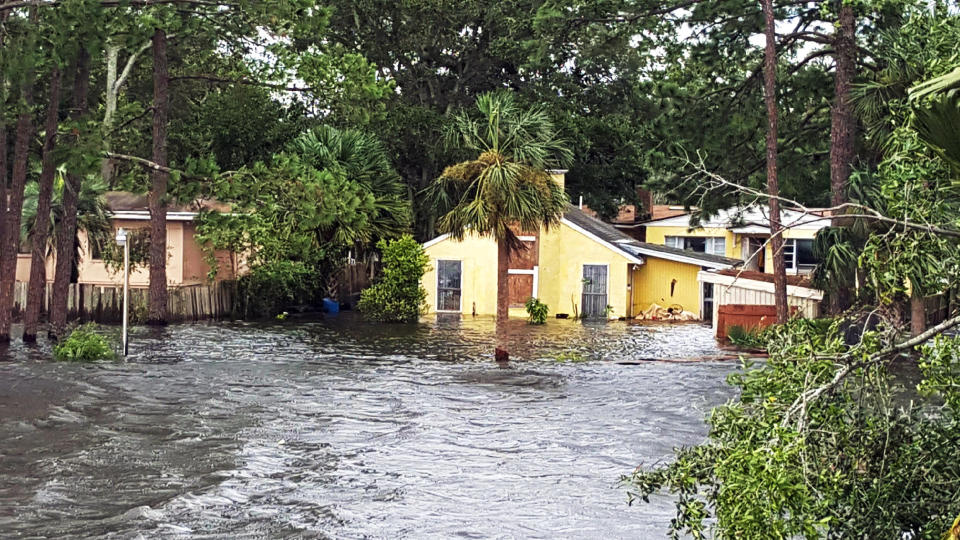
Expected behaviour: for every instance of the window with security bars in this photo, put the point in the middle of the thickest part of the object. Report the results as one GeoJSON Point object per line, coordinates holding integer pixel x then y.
{"type": "Point", "coordinates": [449, 277]}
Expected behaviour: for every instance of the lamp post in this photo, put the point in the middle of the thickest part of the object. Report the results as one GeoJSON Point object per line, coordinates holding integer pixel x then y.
{"type": "Point", "coordinates": [122, 240]}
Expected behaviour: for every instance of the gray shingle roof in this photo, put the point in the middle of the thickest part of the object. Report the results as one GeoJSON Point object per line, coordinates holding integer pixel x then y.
{"type": "Point", "coordinates": [621, 241]}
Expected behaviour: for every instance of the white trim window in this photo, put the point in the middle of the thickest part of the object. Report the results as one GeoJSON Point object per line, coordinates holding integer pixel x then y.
{"type": "Point", "coordinates": [798, 255]}
{"type": "Point", "coordinates": [714, 245]}
{"type": "Point", "coordinates": [449, 283]}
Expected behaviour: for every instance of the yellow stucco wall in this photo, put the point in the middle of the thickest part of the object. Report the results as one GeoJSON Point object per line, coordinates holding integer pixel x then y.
{"type": "Point", "coordinates": [732, 246]}
{"type": "Point", "coordinates": [563, 252]}
{"type": "Point", "coordinates": [652, 281]}
{"type": "Point", "coordinates": [478, 260]}
{"type": "Point", "coordinates": [733, 242]}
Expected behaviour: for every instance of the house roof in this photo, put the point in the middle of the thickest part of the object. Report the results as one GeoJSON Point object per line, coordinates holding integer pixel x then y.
{"type": "Point", "coordinates": [620, 241]}
{"type": "Point", "coordinates": [752, 219]}
{"type": "Point", "coordinates": [629, 247]}
{"type": "Point", "coordinates": [135, 206]}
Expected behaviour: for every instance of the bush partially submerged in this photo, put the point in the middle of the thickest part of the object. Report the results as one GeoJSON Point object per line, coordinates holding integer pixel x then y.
{"type": "Point", "coordinates": [272, 288]}
{"type": "Point", "coordinates": [84, 345]}
{"type": "Point", "coordinates": [748, 338]}
{"type": "Point", "coordinates": [537, 310]}
{"type": "Point", "coordinates": [397, 296]}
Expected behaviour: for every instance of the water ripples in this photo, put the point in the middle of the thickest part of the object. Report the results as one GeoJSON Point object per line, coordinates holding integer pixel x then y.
{"type": "Point", "coordinates": [338, 429]}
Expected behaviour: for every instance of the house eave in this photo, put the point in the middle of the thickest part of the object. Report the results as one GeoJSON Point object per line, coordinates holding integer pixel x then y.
{"type": "Point", "coordinates": [144, 215]}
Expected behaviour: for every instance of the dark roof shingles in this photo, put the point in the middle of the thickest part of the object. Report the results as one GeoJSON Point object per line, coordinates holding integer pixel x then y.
{"type": "Point", "coordinates": [622, 241]}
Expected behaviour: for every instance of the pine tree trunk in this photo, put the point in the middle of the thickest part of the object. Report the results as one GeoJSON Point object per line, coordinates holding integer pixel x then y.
{"type": "Point", "coordinates": [773, 189]}
{"type": "Point", "coordinates": [67, 232]}
{"type": "Point", "coordinates": [841, 114]}
{"type": "Point", "coordinates": [41, 224]}
{"type": "Point", "coordinates": [11, 240]}
{"type": "Point", "coordinates": [842, 127]}
{"type": "Point", "coordinates": [157, 313]}
{"type": "Point", "coordinates": [3, 165]}
{"type": "Point", "coordinates": [3, 139]}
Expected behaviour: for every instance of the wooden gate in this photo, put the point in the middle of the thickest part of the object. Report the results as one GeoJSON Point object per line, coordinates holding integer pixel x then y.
{"type": "Point", "coordinates": [594, 301]}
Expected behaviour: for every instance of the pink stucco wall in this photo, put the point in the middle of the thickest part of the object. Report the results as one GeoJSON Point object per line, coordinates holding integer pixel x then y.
{"type": "Point", "coordinates": [185, 260]}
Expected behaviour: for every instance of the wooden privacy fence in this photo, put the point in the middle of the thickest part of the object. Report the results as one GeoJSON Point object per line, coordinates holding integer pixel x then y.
{"type": "Point", "coordinates": [353, 278]}
{"type": "Point", "coordinates": [104, 304]}
{"type": "Point", "coordinates": [746, 316]}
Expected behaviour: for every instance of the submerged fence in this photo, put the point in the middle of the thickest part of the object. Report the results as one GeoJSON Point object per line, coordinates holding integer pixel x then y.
{"type": "Point", "coordinates": [104, 304]}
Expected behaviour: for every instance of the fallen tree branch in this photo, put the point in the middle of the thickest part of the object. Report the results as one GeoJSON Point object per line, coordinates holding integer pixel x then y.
{"type": "Point", "coordinates": [800, 405]}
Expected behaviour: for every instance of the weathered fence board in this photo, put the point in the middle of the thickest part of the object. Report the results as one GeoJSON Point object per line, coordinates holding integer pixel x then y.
{"type": "Point", "coordinates": [105, 304]}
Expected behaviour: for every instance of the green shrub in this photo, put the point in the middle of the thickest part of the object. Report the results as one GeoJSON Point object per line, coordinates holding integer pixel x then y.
{"type": "Point", "coordinates": [570, 356]}
{"type": "Point", "coordinates": [270, 288]}
{"type": "Point", "coordinates": [84, 344]}
{"type": "Point", "coordinates": [537, 310]}
{"type": "Point", "coordinates": [747, 338]}
{"type": "Point", "coordinates": [397, 295]}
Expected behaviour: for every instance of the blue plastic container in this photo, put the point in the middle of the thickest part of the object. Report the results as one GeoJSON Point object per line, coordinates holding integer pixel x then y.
{"type": "Point", "coordinates": [331, 306]}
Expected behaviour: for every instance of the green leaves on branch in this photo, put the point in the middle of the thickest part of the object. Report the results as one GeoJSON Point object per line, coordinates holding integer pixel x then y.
{"type": "Point", "coordinates": [397, 296]}
{"type": "Point", "coordinates": [870, 461]}
{"type": "Point", "coordinates": [331, 191]}
{"type": "Point", "coordinates": [84, 344]}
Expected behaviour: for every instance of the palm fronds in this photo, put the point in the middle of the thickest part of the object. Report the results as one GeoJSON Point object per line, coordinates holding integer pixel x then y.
{"type": "Point", "coordinates": [507, 187]}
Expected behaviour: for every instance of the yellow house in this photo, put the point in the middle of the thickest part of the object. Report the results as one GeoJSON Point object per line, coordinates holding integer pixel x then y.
{"type": "Point", "coordinates": [582, 267]}
{"type": "Point", "coordinates": [743, 234]}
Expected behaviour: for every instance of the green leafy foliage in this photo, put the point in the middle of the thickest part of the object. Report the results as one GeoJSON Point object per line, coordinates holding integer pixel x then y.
{"type": "Point", "coordinates": [536, 310]}
{"type": "Point", "coordinates": [397, 296]}
{"type": "Point", "coordinates": [865, 462]}
{"type": "Point", "coordinates": [747, 338]}
{"type": "Point", "coordinates": [84, 344]}
{"type": "Point", "coordinates": [272, 287]}
{"type": "Point", "coordinates": [331, 191]}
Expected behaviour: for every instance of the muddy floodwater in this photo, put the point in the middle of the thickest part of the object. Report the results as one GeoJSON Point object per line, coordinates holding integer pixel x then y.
{"type": "Point", "coordinates": [338, 429]}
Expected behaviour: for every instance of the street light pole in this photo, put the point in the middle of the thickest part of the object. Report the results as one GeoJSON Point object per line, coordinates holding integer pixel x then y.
{"type": "Point", "coordinates": [122, 240]}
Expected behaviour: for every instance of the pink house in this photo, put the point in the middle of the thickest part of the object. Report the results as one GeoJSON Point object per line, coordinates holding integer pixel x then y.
{"type": "Point", "coordinates": [185, 257]}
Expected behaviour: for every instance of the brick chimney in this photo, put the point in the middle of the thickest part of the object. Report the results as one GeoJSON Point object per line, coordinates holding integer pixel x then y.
{"type": "Point", "coordinates": [645, 198]}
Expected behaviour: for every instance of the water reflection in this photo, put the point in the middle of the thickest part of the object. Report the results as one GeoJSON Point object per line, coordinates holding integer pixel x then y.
{"type": "Point", "coordinates": [340, 429]}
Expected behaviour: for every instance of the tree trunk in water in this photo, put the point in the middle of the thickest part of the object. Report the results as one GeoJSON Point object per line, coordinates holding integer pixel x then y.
{"type": "Point", "coordinates": [67, 232]}
{"type": "Point", "coordinates": [503, 301]}
{"type": "Point", "coordinates": [773, 189]}
{"type": "Point", "coordinates": [41, 224]}
{"type": "Point", "coordinates": [3, 139]}
{"type": "Point", "coordinates": [3, 165]}
{"type": "Point", "coordinates": [918, 315]}
{"type": "Point", "coordinates": [157, 313]}
{"type": "Point", "coordinates": [842, 125]}
{"type": "Point", "coordinates": [11, 240]}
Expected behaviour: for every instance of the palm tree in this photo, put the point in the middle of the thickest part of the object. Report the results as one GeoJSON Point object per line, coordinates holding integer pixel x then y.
{"type": "Point", "coordinates": [938, 124]}
{"type": "Point", "coordinates": [360, 158]}
{"type": "Point", "coordinates": [506, 188]}
{"type": "Point", "coordinates": [92, 212]}
{"type": "Point", "coordinates": [92, 217]}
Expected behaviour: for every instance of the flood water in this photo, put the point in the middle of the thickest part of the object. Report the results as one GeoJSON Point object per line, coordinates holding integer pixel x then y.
{"type": "Point", "coordinates": [337, 429]}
